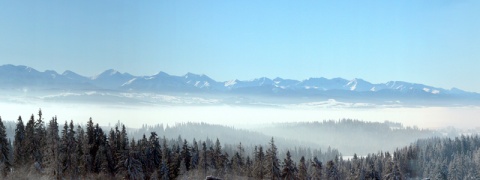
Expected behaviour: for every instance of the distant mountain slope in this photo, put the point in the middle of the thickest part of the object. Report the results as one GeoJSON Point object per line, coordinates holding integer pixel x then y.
{"type": "Point", "coordinates": [22, 77]}
{"type": "Point", "coordinates": [350, 136]}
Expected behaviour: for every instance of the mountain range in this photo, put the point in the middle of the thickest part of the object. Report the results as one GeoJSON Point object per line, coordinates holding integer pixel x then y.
{"type": "Point", "coordinates": [13, 77]}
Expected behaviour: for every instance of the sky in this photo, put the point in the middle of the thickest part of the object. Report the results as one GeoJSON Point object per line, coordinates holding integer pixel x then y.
{"type": "Point", "coordinates": [434, 42]}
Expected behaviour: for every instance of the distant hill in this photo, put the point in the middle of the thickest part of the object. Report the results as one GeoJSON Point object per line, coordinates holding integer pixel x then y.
{"type": "Point", "coordinates": [351, 136]}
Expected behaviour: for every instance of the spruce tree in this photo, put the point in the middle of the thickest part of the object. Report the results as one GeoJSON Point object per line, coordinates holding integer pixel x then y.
{"type": "Point", "coordinates": [195, 155]}
{"type": "Point", "coordinates": [174, 161]}
{"type": "Point", "coordinates": [39, 139]}
{"type": "Point", "coordinates": [88, 146]}
{"type": "Point", "coordinates": [302, 169]}
{"type": "Point", "coordinates": [203, 164]}
{"type": "Point", "coordinates": [80, 151]}
{"type": "Point", "coordinates": [29, 144]}
{"type": "Point", "coordinates": [65, 150]}
{"type": "Point", "coordinates": [331, 171]}
{"type": "Point", "coordinates": [272, 162]}
{"type": "Point", "coordinates": [52, 148]}
{"type": "Point", "coordinates": [155, 152]}
{"type": "Point", "coordinates": [165, 171]}
{"type": "Point", "coordinates": [289, 170]}
{"type": "Point", "coordinates": [4, 151]}
{"type": "Point", "coordinates": [248, 168]}
{"type": "Point", "coordinates": [74, 170]}
{"type": "Point", "coordinates": [317, 169]}
{"type": "Point", "coordinates": [217, 155]}
{"type": "Point", "coordinates": [238, 161]}
{"type": "Point", "coordinates": [259, 170]}
{"type": "Point", "coordinates": [19, 151]}
{"type": "Point", "coordinates": [186, 155]}
{"type": "Point", "coordinates": [237, 164]}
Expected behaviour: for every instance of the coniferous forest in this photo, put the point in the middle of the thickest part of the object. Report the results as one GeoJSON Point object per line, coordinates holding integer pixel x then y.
{"type": "Point", "coordinates": [54, 150]}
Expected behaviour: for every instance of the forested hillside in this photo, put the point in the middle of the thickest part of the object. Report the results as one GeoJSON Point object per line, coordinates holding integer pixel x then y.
{"type": "Point", "coordinates": [230, 137]}
{"type": "Point", "coordinates": [50, 150]}
{"type": "Point", "coordinates": [351, 136]}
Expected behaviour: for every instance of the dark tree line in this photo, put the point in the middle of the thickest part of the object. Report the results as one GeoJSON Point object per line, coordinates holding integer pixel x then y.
{"type": "Point", "coordinates": [73, 152]}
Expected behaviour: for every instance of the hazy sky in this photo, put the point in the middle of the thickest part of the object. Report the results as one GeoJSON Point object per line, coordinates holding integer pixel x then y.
{"type": "Point", "coordinates": [435, 42]}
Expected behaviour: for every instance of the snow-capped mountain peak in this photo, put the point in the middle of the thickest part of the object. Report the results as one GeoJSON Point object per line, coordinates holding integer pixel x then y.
{"type": "Point", "coordinates": [22, 76]}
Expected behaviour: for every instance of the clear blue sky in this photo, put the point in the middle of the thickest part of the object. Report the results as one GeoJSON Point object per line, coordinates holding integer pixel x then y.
{"type": "Point", "coordinates": [435, 42]}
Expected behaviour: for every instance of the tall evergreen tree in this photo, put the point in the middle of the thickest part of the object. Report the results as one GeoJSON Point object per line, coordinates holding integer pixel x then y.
{"type": "Point", "coordinates": [80, 151]}
{"type": "Point", "coordinates": [4, 151]}
{"type": "Point", "coordinates": [302, 169]}
{"type": "Point", "coordinates": [19, 151]}
{"type": "Point", "coordinates": [89, 146]}
{"type": "Point", "coordinates": [331, 171]}
{"type": "Point", "coordinates": [238, 161]}
{"type": "Point", "coordinates": [30, 141]}
{"type": "Point", "coordinates": [154, 153]}
{"type": "Point", "coordinates": [317, 169]}
{"type": "Point", "coordinates": [39, 140]}
{"type": "Point", "coordinates": [237, 164]}
{"type": "Point", "coordinates": [72, 143]}
{"type": "Point", "coordinates": [272, 162]}
{"type": "Point", "coordinates": [195, 155]}
{"type": "Point", "coordinates": [99, 154]}
{"type": "Point", "coordinates": [218, 157]}
{"type": "Point", "coordinates": [289, 169]}
{"type": "Point", "coordinates": [203, 165]}
{"type": "Point", "coordinates": [248, 170]}
{"type": "Point", "coordinates": [174, 161]}
{"type": "Point", "coordinates": [186, 155]}
{"type": "Point", "coordinates": [112, 141]}
{"type": "Point", "coordinates": [67, 151]}
{"type": "Point", "coordinates": [164, 172]}
{"type": "Point", "coordinates": [259, 170]}
{"type": "Point", "coordinates": [52, 148]}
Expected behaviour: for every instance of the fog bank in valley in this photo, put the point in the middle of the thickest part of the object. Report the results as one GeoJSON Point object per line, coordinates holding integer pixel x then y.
{"type": "Point", "coordinates": [244, 117]}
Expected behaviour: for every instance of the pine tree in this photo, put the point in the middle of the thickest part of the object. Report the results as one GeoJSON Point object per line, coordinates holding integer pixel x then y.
{"type": "Point", "coordinates": [217, 154]}
{"type": "Point", "coordinates": [80, 151]}
{"type": "Point", "coordinates": [174, 161]}
{"type": "Point", "coordinates": [72, 143]}
{"type": "Point", "coordinates": [203, 164]}
{"type": "Point", "coordinates": [165, 171]}
{"type": "Point", "coordinates": [124, 139]}
{"type": "Point", "coordinates": [317, 169]}
{"type": "Point", "coordinates": [52, 149]}
{"type": "Point", "coordinates": [195, 155]}
{"type": "Point", "coordinates": [248, 168]}
{"type": "Point", "coordinates": [154, 153]}
{"type": "Point", "coordinates": [331, 171]}
{"type": "Point", "coordinates": [89, 147]}
{"type": "Point", "coordinates": [19, 152]}
{"type": "Point", "coordinates": [272, 162]}
{"type": "Point", "coordinates": [4, 151]}
{"type": "Point", "coordinates": [96, 161]}
{"type": "Point", "coordinates": [30, 141]}
{"type": "Point", "coordinates": [39, 140]}
{"type": "Point", "coordinates": [238, 161]}
{"type": "Point", "coordinates": [237, 164]}
{"type": "Point", "coordinates": [66, 151]}
{"type": "Point", "coordinates": [289, 170]}
{"type": "Point", "coordinates": [99, 160]}
{"type": "Point", "coordinates": [259, 170]}
{"type": "Point", "coordinates": [186, 155]}
{"type": "Point", "coordinates": [112, 140]}
{"type": "Point", "coordinates": [302, 169]}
